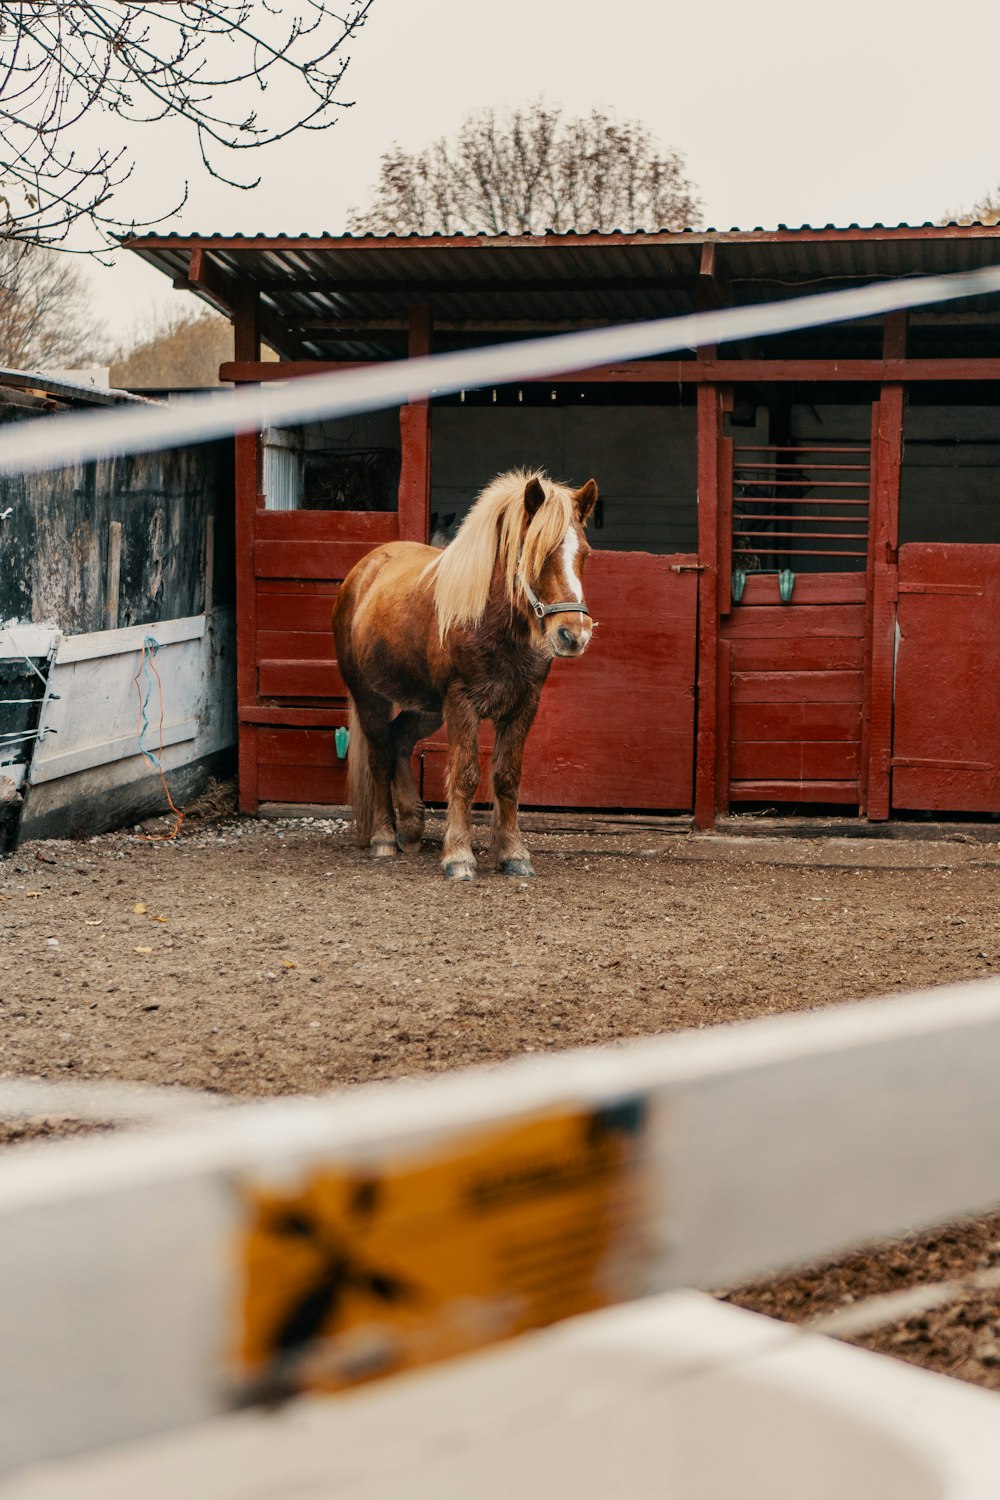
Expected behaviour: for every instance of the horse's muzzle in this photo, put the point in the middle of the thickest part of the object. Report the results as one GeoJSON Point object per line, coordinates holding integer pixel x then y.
{"type": "Point", "coordinates": [571, 640]}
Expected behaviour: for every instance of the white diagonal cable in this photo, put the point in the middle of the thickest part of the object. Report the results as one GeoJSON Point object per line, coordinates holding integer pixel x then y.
{"type": "Point", "coordinates": [80, 437]}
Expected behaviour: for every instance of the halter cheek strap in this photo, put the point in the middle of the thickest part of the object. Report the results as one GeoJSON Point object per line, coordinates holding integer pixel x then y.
{"type": "Point", "coordinates": [564, 607]}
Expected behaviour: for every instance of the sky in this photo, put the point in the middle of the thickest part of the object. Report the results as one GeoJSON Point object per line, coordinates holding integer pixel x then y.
{"type": "Point", "coordinates": [786, 112]}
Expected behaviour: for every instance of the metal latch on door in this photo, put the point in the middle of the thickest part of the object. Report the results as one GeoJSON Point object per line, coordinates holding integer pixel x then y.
{"type": "Point", "coordinates": [786, 582]}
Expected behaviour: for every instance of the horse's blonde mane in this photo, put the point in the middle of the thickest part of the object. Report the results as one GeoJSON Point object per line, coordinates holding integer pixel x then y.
{"type": "Point", "coordinates": [491, 533]}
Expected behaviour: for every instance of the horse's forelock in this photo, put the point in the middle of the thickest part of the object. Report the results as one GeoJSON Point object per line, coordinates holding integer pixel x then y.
{"type": "Point", "coordinates": [494, 531]}
{"type": "Point", "coordinates": [546, 530]}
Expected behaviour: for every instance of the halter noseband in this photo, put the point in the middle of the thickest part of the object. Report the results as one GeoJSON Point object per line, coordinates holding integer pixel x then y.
{"type": "Point", "coordinates": [565, 607]}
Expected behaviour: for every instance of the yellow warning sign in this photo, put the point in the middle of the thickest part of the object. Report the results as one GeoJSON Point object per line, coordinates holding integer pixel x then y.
{"type": "Point", "coordinates": [355, 1274]}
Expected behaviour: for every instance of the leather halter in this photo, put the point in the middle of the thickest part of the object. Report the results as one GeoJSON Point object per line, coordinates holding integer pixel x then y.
{"type": "Point", "coordinates": [564, 607]}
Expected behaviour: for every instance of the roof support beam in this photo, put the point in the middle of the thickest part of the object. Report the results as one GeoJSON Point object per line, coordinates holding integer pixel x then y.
{"type": "Point", "coordinates": [455, 325]}
{"type": "Point", "coordinates": [686, 372]}
{"type": "Point", "coordinates": [454, 286]}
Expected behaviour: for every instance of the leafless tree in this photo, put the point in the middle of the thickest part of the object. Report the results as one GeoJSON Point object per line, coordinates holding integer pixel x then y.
{"type": "Point", "coordinates": [242, 74]}
{"type": "Point", "coordinates": [44, 319]}
{"type": "Point", "coordinates": [529, 171]}
{"type": "Point", "coordinates": [178, 351]}
{"type": "Point", "coordinates": [985, 211]}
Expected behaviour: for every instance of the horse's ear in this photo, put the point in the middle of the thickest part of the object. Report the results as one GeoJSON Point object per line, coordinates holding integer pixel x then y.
{"type": "Point", "coordinates": [534, 494]}
{"type": "Point", "coordinates": [586, 499]}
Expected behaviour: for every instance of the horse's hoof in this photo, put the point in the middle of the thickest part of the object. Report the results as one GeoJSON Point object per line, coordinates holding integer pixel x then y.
{"type": "Point", "coordinates": [516, 867]}
{"type": "Point", "coordinates": [384, 849]}
{"type": "Point", "coordinates": [459, 869]}
{"type": "Point", "coordinates": [408, 846]}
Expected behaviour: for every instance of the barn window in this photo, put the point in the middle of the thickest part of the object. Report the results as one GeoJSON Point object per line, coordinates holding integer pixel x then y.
{"type": "Point", "coordinates": [801, 486]}
{"type": "Point", "coordinates": [348, 464]}
{"type": "Point", "coordinates": [950, 481]}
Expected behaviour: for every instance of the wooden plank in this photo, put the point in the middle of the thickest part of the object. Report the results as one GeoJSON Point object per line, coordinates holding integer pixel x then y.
{"type": "Point", "coordinates": [797, 687]}
{"type": "Point", "coordinates": [373, 526]}
{"type": "Point", "coordinates": [796, 721]}
{"type": "Point", "coordinates": [114, 575]}
{"type": "Point", "coordinates": [795, 760]}
{"type": "Point", "coordinates": [820, 653]}
{"type": "Point", "coordinates": [293, 714]}
{"type": "Point", "coordinates": [295, 645]}
{"type": "Point", "coordinates": [844, 793]}
{"type": "Point", "coordinates": [307, 587]}
{"type": "Point", "coordinates": [303, 783]}
{"type": "Point", "coordinates": [299, 612]}
{"type": "Point", "coordinates": [785, 622]}
{"type": "Point", "coordinates": [300, 747]}
{"type": "Point", "coordinates": [300, 679]}
{"type": "Point", "coordinates": [305, 559]}
{"type": "Point", "coordinates": [809, 588]}
{"type": "Point", "coordinates": [208, 570]}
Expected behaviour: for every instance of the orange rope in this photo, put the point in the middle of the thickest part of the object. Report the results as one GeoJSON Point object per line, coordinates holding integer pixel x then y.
{"type": "Point", "coordinates": [177, 812]}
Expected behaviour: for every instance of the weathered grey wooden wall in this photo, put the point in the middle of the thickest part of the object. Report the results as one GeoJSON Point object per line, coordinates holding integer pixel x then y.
{"type": "Point", "coordinates": [118, 542]}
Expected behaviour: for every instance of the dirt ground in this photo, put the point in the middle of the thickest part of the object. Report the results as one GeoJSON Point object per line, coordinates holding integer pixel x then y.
{"type": "Point", "coordinates": [256, 957]}
{"type": "Point", "coordinates": [262, 957]}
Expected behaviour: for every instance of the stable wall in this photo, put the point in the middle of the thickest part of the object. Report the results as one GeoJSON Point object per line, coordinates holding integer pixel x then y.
{"type": "Point", "coordinates": [119, 542]}
{"type": "Point", "coordinates": [644, 459]}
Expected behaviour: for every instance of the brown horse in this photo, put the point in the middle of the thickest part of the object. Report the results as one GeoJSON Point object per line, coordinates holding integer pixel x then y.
{"type": "Point", "coordinates": [460, 635]}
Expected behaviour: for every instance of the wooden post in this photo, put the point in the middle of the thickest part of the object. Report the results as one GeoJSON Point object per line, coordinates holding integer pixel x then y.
{"type": "Point", "coordinates": [887, 453]}
{"type": "Point", "coordinates": [415, 438]}
{"type": "Point", "coordinates": [706, 790]}
{"type": "Point", "coordinates": [114, 575]}
{"type": "Point", "coordinates": [246, 323]}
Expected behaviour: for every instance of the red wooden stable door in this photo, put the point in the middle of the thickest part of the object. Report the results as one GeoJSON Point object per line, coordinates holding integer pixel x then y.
{"type": "Point", "coordinates": [616, 728]}
{"type": "Point", "coordinates": [793, 633]}
{"type": "Point", "coordinates": [796, 690]}
{"type": "Point", "coordinates": [300, 559]}
{"type": "Point", "coordinates": [946, 731]}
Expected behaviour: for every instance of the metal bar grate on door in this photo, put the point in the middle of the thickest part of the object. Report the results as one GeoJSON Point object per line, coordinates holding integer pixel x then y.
{"type": "Point", "coordinates": [801, 507]}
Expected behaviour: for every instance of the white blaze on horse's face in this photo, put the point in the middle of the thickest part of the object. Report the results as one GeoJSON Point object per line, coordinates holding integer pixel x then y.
{"type": "Point", "coordinates": [568, 633]}
{"type": "Point", "coordinates": [570, 548]}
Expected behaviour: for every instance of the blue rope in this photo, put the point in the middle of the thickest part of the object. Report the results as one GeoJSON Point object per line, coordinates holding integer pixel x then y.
{"type": "Point", "coordinates": [150, 646]}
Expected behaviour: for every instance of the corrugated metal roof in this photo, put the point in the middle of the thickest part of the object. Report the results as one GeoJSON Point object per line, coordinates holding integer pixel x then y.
{"type": "Point", "coordinates": [350, 282]}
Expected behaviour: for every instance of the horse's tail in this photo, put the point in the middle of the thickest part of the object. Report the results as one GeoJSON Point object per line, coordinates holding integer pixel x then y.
{"type": "Point", "coordinates": [360, 787]}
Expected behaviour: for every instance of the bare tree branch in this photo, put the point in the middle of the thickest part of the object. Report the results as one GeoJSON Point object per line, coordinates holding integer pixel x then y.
{"type": "Point", "coordinates": [208, 63]}
{"type": "Point", "coordinates": [44, 320]}
{"type": "Point", "coordinates": [530, 171]}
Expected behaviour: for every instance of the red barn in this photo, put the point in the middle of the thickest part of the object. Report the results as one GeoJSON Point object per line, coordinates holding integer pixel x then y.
{"type": "Point", "coordinates": [798, 546]}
